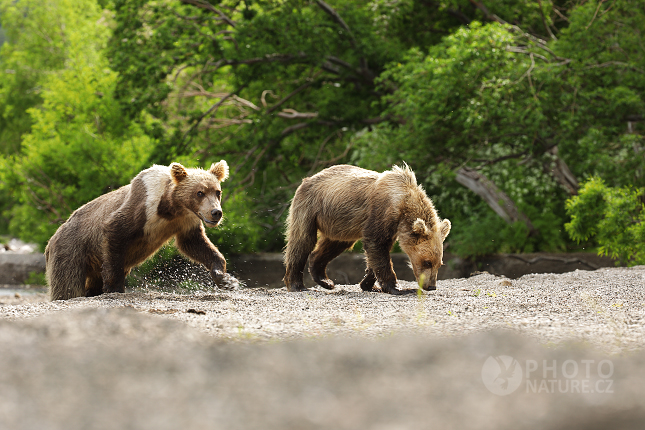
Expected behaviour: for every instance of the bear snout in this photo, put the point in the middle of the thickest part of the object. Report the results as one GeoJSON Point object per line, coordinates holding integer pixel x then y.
{"type": "Point", "coordinates": [427, 280]}
{"type": "Point", "coordinates": [216, 214]}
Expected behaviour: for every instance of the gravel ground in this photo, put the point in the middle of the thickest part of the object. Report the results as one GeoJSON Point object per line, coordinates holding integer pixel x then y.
{"type": "Point", "coordinates": [345, 359]}
{"type": "Point", "coordinates": [605, 308]}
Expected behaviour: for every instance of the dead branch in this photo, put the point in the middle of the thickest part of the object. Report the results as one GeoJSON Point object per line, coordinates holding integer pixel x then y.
{"type": "Point", "coordinates": [202, 93]}
{"type": "Point", "coordinates": [562, 174]}
{"type": "Point", "coordinates": [293, 114]}
{"type": "Point", "coordinates": [263, 97]}
{"type": "Point", "coordinates": [212, 109]}
{"type": "Point", "coordinates": [523, 50]}
{"type": "Point", "coordinates": [294, 92]}
{"type": "Point", "coordinates": [558, 259]}
{"type": "Point", "coordinates": [546, 26]}
{"type": "Point", "coordinates": [245, 102]}
{"type": "Point", "coordinates": [497, 199]}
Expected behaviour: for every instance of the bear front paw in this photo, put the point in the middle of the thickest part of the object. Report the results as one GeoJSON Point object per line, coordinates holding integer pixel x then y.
{"type": "Point", "coordinates": [295, 287]}
{"type": "Point", "coordinates": [326, 283]}
{"type": "Point", "coordinates": [224, 280]}
{"type": "Point", "coordinates": [390, 288]}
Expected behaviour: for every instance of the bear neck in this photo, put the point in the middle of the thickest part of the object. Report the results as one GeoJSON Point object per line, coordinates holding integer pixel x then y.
{"type": "Point", "coordinates": [418, 205]}
{"type": "Point", "coordinates": [170, 206]}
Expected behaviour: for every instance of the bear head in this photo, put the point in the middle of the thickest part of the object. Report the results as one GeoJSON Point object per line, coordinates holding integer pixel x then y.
{"type": "Point", "coordinates": [424, 246]}
{"type": "Point", "coordinates": [199, 191]}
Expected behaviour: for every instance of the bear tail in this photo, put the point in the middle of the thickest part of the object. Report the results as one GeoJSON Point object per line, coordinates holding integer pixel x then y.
{"type": "Point", "coordinates": [65, 275]}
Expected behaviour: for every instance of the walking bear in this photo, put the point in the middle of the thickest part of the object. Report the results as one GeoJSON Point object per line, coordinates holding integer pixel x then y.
{"type": "Point", "coordinates": [346, 203]}
{"type": "Point", "coordinates": [94, 250]}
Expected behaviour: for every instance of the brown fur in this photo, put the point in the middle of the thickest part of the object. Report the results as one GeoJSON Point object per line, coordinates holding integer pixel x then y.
{"type": "Point", "coordinates": [95, 249]}
{"type": "Point", "coordinates": [346, 203]}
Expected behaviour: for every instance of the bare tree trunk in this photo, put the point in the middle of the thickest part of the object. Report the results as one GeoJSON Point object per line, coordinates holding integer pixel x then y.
{"type": "Point", "coordinates": [562, 173]}
{"type": "Point", "coordinates": [497, 199]}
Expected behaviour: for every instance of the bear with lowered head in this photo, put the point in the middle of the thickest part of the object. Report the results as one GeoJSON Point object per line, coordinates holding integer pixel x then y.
{"type": "Point", "coordinates": [342, 204]}
{"type": "Point", "coordinates": [95, 249]}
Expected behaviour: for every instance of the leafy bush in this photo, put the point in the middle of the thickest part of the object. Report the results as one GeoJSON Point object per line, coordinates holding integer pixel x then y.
{"type": "Point", "coordinates": [611, 217]}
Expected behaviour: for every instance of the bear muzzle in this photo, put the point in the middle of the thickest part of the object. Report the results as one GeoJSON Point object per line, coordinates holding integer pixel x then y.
{"type": "Point", "coordinates": [427, 280]}
{"type": "Point", "coordinates": [213, 220]}
{"type": "Point", "coordinates": [216, 215]}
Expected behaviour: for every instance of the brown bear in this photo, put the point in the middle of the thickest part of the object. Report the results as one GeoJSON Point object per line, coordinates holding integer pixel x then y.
{"type": "Point", "coordinates": [94, 250]}
{"type": "Point", "coordinates": [346, 203]}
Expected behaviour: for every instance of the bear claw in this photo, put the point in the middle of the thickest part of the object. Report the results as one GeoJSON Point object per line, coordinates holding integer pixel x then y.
{"type": "Point", "coordinates": [326, 283]}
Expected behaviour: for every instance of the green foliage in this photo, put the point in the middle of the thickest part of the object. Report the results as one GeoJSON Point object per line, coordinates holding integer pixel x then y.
{"type": "Point", "coordinates": [612, 217]}
{"type": "Point", "coordinates": [532, 95]}
{"type": "Point", "coordinates": [492, 98]}
{"type": "Point", "coordinates": [78, 147]}
{"type": "Point", "coordinates": [239, 232]}
{"type": "Point", "coordinates": [36, 278]}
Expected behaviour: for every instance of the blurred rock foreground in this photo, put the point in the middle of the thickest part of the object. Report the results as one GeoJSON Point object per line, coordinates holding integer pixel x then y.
{"type": "Point", "coordinates": [540, 352]}
{"type": "Point", "coordinates": [120, 369]}
{"type": "Point", "coordinates": [266, 359]}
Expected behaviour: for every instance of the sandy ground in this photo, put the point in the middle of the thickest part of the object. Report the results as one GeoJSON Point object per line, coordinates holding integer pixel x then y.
{"type": "Point", "coordinates": [258, 358]}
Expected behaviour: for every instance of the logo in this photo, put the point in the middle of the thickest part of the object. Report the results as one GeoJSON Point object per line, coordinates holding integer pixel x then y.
{"type": "Point", "coordinates": [502, 374]}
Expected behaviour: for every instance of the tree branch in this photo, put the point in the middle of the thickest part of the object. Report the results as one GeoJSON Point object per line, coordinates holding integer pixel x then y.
{"type": "Point", "coordinates": [365, 71]}
{"type": "Point", "coordinates": [206, 5]}
{"type": "Point", "coordinates": [293, 128]}
{"type": "Point", "coordinates": [330, 10]}
{"type": "Point", "coordinates": [558, 259]}
{"type": "Point", "coordinates": [546, 26]}
{"type": "Point", "coordinates": [562, 174]}
{"type": "Point", "coordinates": [269, 58]}
{"type": "Point", "coordinates": [293, 114]}
{"type": "Point", "coordinates": [489, 16]}
{"type": "Point", "coordinates": [212, 109]}
{"type": "Point", "coordinates": [459, 15]}
{"type": "Point", "coordinates": [497, 199]}
{"type": "Point", "coordinates": [293, 93]}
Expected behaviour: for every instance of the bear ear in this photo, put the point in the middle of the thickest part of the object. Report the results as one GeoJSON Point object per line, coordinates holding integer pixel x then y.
{"type": "Point", "coordinates": [220, 170]}
{"type": "Point", "coordinates": [178, 172]}
{"type": "Point", "coordinates": [419, 227]}
{"type": "Point", "coordinates": [445, 227]}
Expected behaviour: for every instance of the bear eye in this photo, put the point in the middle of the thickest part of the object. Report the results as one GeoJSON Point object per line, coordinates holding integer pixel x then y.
{"type": "Point", "coordinates": [218, 193]}
{"type": "Point", "coordinates": [427, 264]}
{"type": "Point", "coordinates": [200, 194]}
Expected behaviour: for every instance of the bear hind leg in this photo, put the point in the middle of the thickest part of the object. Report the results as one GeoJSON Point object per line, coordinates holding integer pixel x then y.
{"type": "Point", "coordinates": [367, 283]}
{"type": "Point", "coordinates": [299, 246]}
{"type": "Point", "coordinates": [325, 251]}
{"type": "Point", "coordinates": [65, 278]}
